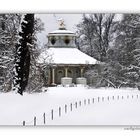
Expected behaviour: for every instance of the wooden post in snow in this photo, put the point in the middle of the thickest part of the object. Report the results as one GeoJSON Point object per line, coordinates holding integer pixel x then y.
{"type": "Point", "coordinates": [44, 118]}
{"type": "Point", "coordinates": [23, 123]}
{"type": "Point", "coordinates": [113, 97]}
{"type": "Point", "coordinates": [79, 103]}
{"type": "Point", "coordinates": [102, 98]}
{"type": "Point", "coordinates": [52, 114]}
{"type": "Point", "coordinates": [65, 108]}
{"type": "Point", "coordinates": [108, 98]}
{"type": "Point", "coordinates": [88, 101]}
{"type": "Point", "coordinates": [93, 100]}
{"type": "Point", "coordinates": [98, 99]}
{"type": "Point", "coordinates": [71, 106]}
{"type": "Point", "coordinates": [76, 104]}
{"type": "Point", "coordinates": [34, 121]}
{"type": "Point", "coordinates": [59, 111]}
{"type": "Point", "coordinates": [85, 102]}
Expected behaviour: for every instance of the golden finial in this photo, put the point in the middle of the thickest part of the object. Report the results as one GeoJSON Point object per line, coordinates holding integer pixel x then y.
{"type": "Point", "coordinates": [61, 23]}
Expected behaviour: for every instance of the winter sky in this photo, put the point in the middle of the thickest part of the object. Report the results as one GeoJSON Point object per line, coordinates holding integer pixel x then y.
{"type": "Point", "coordinates": [51, 23]}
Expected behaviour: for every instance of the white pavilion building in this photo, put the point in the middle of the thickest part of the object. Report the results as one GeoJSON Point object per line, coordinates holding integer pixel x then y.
{"type": "Point", "coordinates": [67, 62]}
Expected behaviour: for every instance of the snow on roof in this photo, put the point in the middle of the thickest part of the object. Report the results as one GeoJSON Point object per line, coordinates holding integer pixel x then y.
{"type": "Point", "coordinates": [66, 56]}
{"type": "Point", "coordinates": [61, 32]}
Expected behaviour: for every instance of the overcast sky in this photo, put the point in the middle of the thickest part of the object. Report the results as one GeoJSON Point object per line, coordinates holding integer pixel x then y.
{"type": "Point", "coordinates": [51, 23]}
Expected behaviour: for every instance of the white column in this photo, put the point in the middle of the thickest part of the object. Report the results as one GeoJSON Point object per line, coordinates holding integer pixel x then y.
{"type": "Point", "coordinates": [49, 77]}
{"type": "Point", "coordinates": [82, 71]}
{"type": "Point", "coordinates": [53, 76]}
{"type": "Point", "coordinates": [66, 72]}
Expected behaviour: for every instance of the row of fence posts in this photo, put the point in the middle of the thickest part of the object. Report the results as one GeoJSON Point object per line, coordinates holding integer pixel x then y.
{"type": "Point", "coordinates": [85, 102]}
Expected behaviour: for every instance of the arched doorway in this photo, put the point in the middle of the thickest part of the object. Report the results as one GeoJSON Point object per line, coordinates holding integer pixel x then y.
{"type": "Point", "coordinates": [70, 73]}
{"type": "Point", "coordinates": [60, 74]}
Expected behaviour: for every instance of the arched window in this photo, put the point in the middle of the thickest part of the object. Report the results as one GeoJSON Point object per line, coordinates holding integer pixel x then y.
{"type": "Point", "coordinates": [77, 71]}
{"type": "Point", "coordinates": [69, 71]}
{"type": "Point", "coordinates": [67, 40]}
{"type": "Point", "coordinates": [53, 40]}
{"type": "Point", "coordinates": [60, 72]}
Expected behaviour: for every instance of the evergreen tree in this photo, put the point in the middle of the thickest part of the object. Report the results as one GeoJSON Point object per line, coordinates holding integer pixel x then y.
{"type": "Point", "coordinates": [22, 58]}
{"type": "Point", "coordinates": [35, 81]}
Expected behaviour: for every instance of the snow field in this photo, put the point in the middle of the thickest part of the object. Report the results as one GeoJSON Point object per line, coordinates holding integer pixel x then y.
{"type": "Point", "coordinates": [110, 107]}
{"type": "Point", "coordinates": [103, 111]}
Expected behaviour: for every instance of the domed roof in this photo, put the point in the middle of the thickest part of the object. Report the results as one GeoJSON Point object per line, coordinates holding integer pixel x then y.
{"type": "Point", "coordinates": [65, 56]}
{"type": "Point", "coordinates": [62, 32]}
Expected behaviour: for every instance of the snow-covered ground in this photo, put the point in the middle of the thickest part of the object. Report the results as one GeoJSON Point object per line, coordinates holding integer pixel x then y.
{"type": "Point", "coordinates": [110, 107]}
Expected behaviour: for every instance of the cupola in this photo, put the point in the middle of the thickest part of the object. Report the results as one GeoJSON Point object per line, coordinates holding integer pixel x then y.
{"type": "Point", "coordinates": [61, 38]}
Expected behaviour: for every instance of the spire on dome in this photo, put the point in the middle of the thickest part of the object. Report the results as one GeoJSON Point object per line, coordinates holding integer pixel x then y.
{"type": "Point", "coordinates": [62, 25]}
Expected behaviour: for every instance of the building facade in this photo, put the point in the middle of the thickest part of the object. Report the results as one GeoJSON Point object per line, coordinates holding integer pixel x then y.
{"type": "Point", "coordinates": [64, 58]}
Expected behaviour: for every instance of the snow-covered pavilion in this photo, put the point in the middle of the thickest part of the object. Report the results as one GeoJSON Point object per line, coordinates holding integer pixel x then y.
{"type": "Point", "coordinates": [65, 59]}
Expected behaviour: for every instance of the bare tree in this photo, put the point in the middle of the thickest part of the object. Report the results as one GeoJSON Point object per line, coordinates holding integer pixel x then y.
{"type": "Point", "coordinates": [95, 34]}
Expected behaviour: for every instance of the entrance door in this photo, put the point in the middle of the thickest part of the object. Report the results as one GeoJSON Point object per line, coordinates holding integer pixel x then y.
{"type": "Point", "coordinates": [70, 73]}
{"type": "Point", "coordinates": [60, 74]}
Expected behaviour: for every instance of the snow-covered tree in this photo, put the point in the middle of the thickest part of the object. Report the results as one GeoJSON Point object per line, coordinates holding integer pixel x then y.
{"type": "Point", "coordinates": [22, 57]}
{"type": "Point", "coordinates": [9, 24]}
{"type": "Point", "coordinates": [127, 44]}
{"type": "Point", "coordinates": [35, 82]}
{"type": "Point", "coordinates": [96, 34]}
{"type": "Point", "coordinates": [96, 37]}
{"type": "Point", "coordinates": [121, 64]}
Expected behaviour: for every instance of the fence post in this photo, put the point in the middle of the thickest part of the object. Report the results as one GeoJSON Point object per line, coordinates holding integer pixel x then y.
{"type": "Point", "coordinates": [76, 104]}
{"type": "Point", "coordinates": [127, 96]}
{"type": "Point", "coordinates": [59, 111]}
{"type": "Point", "coordinates": [52, 114]}
{"type": "Point", "coordinates": [44, 118]}
{"type": "Point", "coordinates": [93, 100]}
{"type": "Point", "coordinates": [65, 108]}
{"type": "Point", "coordinates": [108, 98]}
{"type": "Point", "coordinates": [122, 97]}
{"type": "Point", "coordinates": [132, 96]}
{"type": "Point", "coordinates": [118, 97]}
{"type": "Point", "coordinates": [79, 103]}
{"type": "Point", "coordinates": [137, 96]}
{"type": "Point", "coordinates": [23, 123]}
{"type": "Point", "coordinates": [113, 97]}
{"type": "Point", "coordinates": [85, 102]}
{"type": "Point", "coordinates": [88, 101]}
{"type": "Point", "coordinates": [71, 106]}
{"type": "Point", "coordinates": [34, 121]}
{"type": "Point", "coordinates": [102, 98]}
{"type": "Point", "coordinates": [98, 99]}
